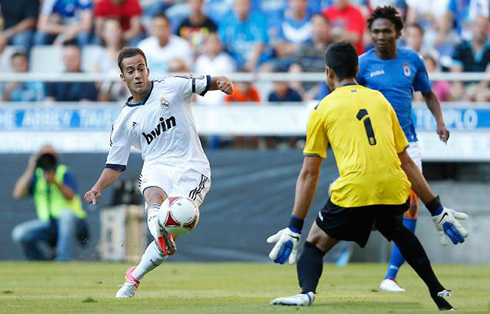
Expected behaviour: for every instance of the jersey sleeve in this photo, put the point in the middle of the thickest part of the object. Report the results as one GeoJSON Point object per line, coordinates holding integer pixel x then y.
{"type": "Point", "coordinates": [360, 76]}
{"type": "Point", "coordinates": [186, 85]}
{"type": "Point", "coordinates": [421, 82]}
{"type": "Point", "coordinates": [316, 135]}
{"type": "Point", "coordinates": [69, 181]}
{"type": "Point", "coordinates": [118, 156]}
{"type": "Point", "coordinates": [401, 142]}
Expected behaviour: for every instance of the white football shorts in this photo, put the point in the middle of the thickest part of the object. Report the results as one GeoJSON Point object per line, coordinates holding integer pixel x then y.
{"type": "Point", "coordinates": [413, 151]}
{"type": "Point", "coordinates": [176, 181]}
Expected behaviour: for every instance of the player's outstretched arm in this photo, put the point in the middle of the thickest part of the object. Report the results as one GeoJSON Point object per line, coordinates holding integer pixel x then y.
{"type": "Point", "coordinates": [445, 219]}
{"type": "Point", "coordinates": [222, 83]}
{"type": "Point", "coordinates": [435, 107]}
{"type": "Point", "coordinates": [107, 178]}
{"type": "Point", "coordinates": [287, 239]}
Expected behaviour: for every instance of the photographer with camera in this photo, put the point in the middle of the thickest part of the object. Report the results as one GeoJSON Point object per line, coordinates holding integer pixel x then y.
{"type": "Point", "coordinates": [60, 216]}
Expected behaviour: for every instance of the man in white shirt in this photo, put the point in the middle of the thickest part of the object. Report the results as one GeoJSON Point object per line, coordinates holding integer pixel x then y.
{"type": "Point", "coordinates": [163, 47]}
{"type": "Point", "coordinates": [157, 119]}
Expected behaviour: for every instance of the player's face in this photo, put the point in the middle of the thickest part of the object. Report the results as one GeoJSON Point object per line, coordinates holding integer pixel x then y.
{"type": "Point", "coordinates": [136, 74]}
{"type": "Point", "coordinates": [384, 35]}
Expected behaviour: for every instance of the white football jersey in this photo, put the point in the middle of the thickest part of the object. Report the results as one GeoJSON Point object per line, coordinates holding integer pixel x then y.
{"type": "Point", "coordinates": [161, 126]}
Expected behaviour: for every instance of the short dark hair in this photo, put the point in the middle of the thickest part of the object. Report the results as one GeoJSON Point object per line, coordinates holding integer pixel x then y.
{"type": "Point", "coordinates": [128, 52]}
{"type": "Point", "coordinates": [19, 54]}
{"type": "Point", "coordinates": [342, 58]}
{"type": "Point", "coordinates": [389, 13]}
{"type": "Point", "coordinates": [417, 26]}
{"type": "Point", "coordinates": [161, 15]}
{"type": "Point", "coordinates": [71, 43]}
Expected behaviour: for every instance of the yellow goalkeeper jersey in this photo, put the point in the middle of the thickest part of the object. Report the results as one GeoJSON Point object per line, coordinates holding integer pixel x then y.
{"type": "Point", "coordinates": [362, 128]}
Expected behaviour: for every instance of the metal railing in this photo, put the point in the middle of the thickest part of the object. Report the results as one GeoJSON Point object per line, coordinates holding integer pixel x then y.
{"type": "Point", "coordinates": [237, 77]}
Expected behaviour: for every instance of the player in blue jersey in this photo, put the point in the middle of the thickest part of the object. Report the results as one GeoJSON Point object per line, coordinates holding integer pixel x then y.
{"type": "Point", "coordinates": [397, 73]}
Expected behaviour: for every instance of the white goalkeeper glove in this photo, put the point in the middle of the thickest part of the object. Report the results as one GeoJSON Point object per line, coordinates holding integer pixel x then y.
{"type": "Point", "coordinates": [153, 223]}
{"type": "Point", "coordinates": [448, 226]}
{"type": "Point", "coordinates": [286, 247]}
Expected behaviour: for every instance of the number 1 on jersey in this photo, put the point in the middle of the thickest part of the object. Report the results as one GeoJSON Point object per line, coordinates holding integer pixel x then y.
{"type": "Point", "coordinates": [367, 125]}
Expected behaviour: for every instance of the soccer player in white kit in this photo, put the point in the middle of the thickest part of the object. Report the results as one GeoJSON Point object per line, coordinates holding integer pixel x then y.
{"type": "Point", "coordinates": [157, 119]}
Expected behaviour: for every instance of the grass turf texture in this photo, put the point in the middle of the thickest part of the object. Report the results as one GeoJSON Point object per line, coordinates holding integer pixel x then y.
{"type": "Point", "coordinates": [228, 288]}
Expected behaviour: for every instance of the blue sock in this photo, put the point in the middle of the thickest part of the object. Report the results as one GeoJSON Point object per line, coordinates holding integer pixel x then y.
{"type": "Point", "coordinates": [397, 260]}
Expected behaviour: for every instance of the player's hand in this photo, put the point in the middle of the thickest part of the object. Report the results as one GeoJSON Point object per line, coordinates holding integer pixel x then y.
{"type": "Point", "coordinates": [50, 176]}
{"type": "Point", "coordinates": [448, 226]}
{"type": "Point", "coordinates": [92, 196]}
{"type": "Point", "coordinates": [443, 133]}
{"type": "Point", "coordinates": [225, 85]}
{"type": "Point", "coordinates": [286, 247]}
{"type": "Point", "coordinates": [153, 223]}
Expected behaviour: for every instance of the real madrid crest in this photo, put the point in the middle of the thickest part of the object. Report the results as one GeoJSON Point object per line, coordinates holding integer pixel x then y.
{"type": "Point", "coordinates": [164, 103]}
{"type": "Point", "coordinates": [406, 69]}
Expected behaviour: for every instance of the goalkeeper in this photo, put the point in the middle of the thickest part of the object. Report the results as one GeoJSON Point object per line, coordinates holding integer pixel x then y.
{"type": "Point", "coordinates": [376, 174]}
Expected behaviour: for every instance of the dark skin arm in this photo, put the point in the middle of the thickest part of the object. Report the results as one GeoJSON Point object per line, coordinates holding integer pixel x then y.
{"type": "Point", "coordinates": [435, 107]}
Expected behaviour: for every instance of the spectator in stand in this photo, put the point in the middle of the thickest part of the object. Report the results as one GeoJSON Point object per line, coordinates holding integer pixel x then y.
{"type": "Point", "coordinates": [217, 10]}
{"type": "Point", "coordinates": [163, 47]}
{"type": "Point", "coordinates": [441, 88]}
{"type": "Point", "coordinates": [283, 93]}
{"type": "Point", "coordinates": [19, 22]}
{"type": "Point", "coordinates": [348, 23]}
{"type": "Point", "coordinates": [22, 91]}
{"type": "Point", "coordinates": [128, 12]}
{"type": "Point", "coordinates": [104, 60]}
{"type": "Point", "coordinates": [414, 39]}
{"type": "Point", "coordinates": [244, 36]}
{"type": "Point", "coordinates": [196, 27]}
{"type": "Point", "coordinates": [310, 56]}
{"type": "Point", "coordinates": [461, 13]}
{"type": "Point", "coordinates": [473, 56]}
{"type": "Point", "coordinates": [64, 20]}
{"type": "Point", "coordinates": [71, 91]}
{"type": "Point", "coordinates": [214, 61]}
{"type": "Point", "coordinates": [244, 92]}
{"type": "Point", "coordinates": [291, 32]}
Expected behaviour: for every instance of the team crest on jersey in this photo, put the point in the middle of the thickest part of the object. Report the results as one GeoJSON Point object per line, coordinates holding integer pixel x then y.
{"type": "Point", "coordinates": [406, 69]}
{"type": "Point", "coordinates": [164, 103]}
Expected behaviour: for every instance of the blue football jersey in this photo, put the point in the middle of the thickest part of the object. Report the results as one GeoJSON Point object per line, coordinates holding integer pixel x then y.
{"type": "Point", "coordinates": [396, 79]}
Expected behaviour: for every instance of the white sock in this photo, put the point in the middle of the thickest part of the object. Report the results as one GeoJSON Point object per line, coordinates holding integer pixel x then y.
{"type": "Point", "coordinates": [152, 258]}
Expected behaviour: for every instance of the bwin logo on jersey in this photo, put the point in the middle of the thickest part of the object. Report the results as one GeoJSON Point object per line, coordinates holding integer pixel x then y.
{"type": "Point", "coordinates": [161, 127]}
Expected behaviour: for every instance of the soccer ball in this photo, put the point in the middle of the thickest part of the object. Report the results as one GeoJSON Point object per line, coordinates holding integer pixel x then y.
{"type": "Point", "coordinates": [179, 215]}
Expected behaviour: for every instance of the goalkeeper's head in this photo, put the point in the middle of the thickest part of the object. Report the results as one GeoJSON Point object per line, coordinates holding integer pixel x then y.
{"type": "Point", "coordinates": [341, 63]}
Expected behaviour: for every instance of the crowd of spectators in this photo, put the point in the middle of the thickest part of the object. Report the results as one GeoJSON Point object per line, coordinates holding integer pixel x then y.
{"type": "Point", "coordinates": [226, 36]}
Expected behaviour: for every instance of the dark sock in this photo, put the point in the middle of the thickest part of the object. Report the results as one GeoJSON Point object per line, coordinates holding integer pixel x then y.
{"type": "Point", "coordinates": [416, 257]}
{"type": "Point", "coordinates": [310, 267]}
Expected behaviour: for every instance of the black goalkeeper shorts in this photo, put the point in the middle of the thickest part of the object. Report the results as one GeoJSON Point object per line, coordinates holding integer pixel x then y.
{"type": "Point", "coordinates": [356, 223]}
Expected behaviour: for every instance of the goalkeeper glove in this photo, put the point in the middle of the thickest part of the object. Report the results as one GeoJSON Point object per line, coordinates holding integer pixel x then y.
{"type": "Point", "coordinates": [286, 247]}
{"type": "Point", "coordinates": [153, 224]}
{"type": "Point", "coordinates": [287, 242]}
{"type": "Point", "coordinates": [446, 222]}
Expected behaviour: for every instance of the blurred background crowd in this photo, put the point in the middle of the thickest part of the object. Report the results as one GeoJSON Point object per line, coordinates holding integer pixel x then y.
{"type": "Point", "coordinates": [227, 36]}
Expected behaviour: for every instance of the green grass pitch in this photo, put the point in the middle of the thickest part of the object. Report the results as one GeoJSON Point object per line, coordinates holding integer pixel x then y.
{"type": "Point", "coordinates": [228, 288]}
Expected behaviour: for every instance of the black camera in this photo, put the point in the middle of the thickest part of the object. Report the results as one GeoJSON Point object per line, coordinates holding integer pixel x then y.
{"type": "Point", "coordinates": [47, 162]}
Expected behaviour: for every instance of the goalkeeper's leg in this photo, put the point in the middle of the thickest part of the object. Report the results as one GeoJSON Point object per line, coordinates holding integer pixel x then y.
{"type": "Point", "coordinates": [310, 263]}
{"type": "Point", "coordinates": [416, 257]}
{"type": "Point", "coordinates": [310, 267]}
{"type": "Point", "coordinates": [396, 261]}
